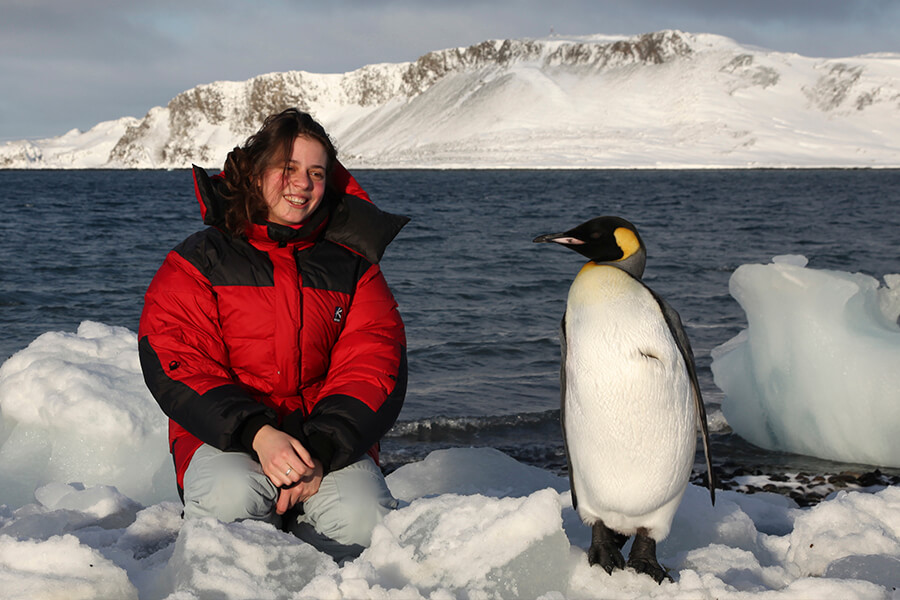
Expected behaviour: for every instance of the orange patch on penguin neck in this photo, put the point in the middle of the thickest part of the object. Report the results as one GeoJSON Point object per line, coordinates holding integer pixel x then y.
{"type": "Point", "coordinates": [627, 240]}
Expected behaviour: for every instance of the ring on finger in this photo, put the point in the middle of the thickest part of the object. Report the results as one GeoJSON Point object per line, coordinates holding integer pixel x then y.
{"type": "Point", "coordinates": [288, 472]}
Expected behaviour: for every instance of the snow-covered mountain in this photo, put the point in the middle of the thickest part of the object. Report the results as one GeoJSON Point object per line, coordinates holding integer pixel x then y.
{"type": "Point", "coordinates": [661, 100]}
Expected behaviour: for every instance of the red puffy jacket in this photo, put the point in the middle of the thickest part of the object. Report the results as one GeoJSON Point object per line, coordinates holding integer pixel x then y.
{"type": "Point", "coordinates": [292, 327]}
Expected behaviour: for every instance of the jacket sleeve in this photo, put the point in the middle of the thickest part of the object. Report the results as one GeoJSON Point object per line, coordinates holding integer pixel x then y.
{"type": "Point", "coordinates": [366, 382]}
{"type": "Point", "coordinates": [184, 359]}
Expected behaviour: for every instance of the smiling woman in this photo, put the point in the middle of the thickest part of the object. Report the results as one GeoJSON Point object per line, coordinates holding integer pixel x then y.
{"type": "Point", "coordinates": [280, 174]}
{"type": "Point", "coordinates": [294, 191]}
{"type": "Point", "coordinates": [273, 344]}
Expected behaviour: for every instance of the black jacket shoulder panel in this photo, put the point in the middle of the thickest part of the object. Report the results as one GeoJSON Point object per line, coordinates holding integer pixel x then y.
{"type": "Point", "coordinates": [328, 266]}
{"type": "Point", "coordinates": [225, 260]}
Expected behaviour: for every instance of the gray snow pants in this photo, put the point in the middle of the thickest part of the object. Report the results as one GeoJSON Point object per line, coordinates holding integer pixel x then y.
{"type": "Point", "coordinates": [338, 519]}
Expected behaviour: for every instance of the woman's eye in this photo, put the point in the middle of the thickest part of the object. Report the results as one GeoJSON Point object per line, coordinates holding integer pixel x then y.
{"type": "Point", "coordinates": [317, 175]}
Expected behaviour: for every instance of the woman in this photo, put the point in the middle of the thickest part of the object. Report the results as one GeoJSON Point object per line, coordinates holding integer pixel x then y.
{"type": "Point", "coordinates": [273, 344]}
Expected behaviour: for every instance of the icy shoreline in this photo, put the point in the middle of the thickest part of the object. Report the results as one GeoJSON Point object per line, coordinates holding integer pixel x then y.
{"type": "Point", "coordinates": [473, 522]}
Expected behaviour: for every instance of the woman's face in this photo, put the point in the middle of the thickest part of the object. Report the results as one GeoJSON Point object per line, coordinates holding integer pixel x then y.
{"type": "Point", "coordinates": [293, 192]}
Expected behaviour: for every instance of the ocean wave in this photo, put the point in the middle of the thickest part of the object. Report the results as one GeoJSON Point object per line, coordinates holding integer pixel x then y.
{"type": "Point", "coordinates": [444, 428]}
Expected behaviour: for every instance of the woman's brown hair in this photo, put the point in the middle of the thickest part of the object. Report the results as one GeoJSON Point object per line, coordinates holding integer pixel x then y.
{"type": "Point", "coordinates": [268, 147]}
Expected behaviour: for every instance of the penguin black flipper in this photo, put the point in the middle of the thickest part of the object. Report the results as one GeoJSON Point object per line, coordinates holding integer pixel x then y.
{"type": "Point", "coordinates": [673, 319]}
{"type": "Point", "coordinates": [562, 407]}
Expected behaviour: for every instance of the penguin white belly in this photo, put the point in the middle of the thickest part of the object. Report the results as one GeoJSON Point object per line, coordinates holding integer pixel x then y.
{"type": "Point", "coordinates": [629, 414]}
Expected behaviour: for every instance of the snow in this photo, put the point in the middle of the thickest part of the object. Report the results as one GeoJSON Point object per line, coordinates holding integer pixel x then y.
{"type": "Point", "coordinates": [69, 402]}
{"type": "Point", "coordinates": [89, 510]}
{"type": "Point", "coordinates": [815, 372]}
{"type": "Point", "coordinates": [546, 103]}
{"type": "Point", "coordinates": [74, 149]}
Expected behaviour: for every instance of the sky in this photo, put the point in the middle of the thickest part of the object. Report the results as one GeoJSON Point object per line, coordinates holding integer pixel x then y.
{"type": "Point", "coordinates": [75, 63]}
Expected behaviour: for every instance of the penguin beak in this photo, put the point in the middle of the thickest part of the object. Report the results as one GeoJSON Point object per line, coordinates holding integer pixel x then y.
{"type": "Point", "coordinates": [560, 238]}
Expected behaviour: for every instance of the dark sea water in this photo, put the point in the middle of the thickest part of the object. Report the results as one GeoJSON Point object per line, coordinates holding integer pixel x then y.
{"type": "Point", "coordinates": [481, 302]}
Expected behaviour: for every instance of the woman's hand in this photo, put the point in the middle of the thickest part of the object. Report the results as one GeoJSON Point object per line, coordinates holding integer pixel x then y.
{"type": "Point", "coordinates": [283, 458]}
{"type": "Point", "coordinates": [301, 491]}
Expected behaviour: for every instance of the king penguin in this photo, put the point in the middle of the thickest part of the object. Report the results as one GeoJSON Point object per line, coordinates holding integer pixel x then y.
{"type": "Point", "coordinates": [630, 402]}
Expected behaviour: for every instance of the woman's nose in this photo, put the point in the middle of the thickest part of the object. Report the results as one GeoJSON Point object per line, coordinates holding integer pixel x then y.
{"type": "Point", "coordinates": [301, 180]}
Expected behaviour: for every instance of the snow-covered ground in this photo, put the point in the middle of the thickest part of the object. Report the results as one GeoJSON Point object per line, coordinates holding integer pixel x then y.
{"type": "Point", "coordinates": [88, 507]}
{"type": "Point", "coordinates": [473, 523]}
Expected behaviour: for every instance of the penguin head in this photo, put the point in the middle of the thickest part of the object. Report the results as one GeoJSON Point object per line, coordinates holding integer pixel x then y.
{"type": "Point", "coordinates": [607, 241]}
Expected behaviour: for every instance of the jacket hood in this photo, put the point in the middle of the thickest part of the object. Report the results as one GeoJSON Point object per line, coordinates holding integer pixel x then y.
{"type": "Point", "coordinates": [353, 220]}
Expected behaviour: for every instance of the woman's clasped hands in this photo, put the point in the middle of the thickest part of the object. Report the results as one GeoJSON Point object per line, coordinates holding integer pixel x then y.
{"type": "Point", "coordinates": [288, 465]}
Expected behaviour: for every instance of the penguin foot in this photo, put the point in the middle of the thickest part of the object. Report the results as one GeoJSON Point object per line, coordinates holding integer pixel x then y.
{"type": "Point", "coordinates": [606, 548]}
{"type": "Point", "coordinates": [643, 558]}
